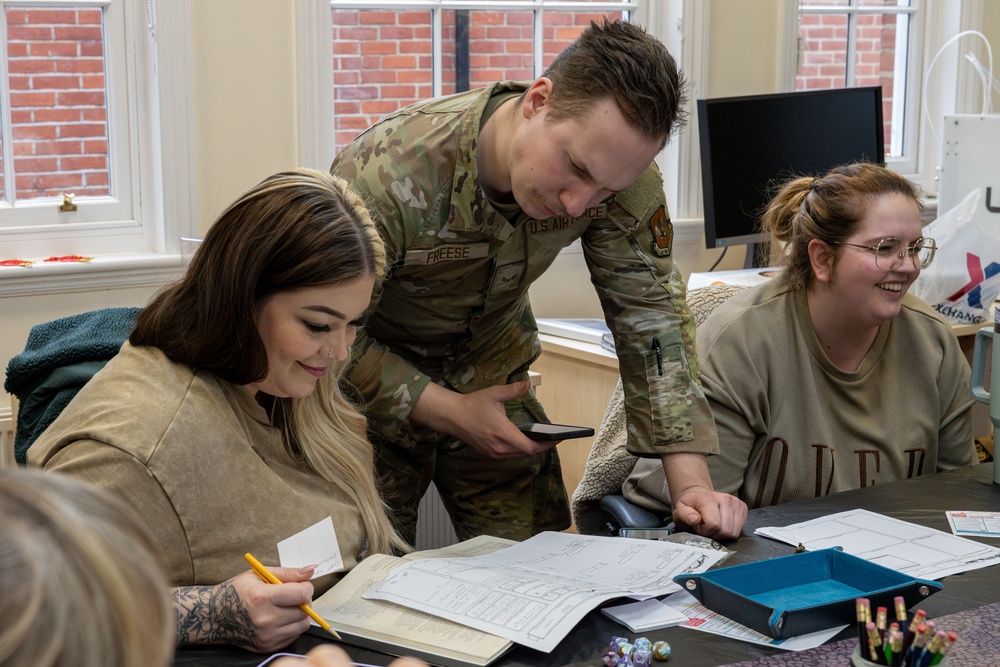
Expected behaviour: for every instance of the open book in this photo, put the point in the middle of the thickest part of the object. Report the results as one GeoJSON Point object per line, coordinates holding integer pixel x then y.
{"type": "Point", "coordinates": [396, 630]}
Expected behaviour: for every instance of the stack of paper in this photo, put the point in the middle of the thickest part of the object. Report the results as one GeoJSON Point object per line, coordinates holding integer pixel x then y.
{"type": "Point", "coordinates": [467, 610]}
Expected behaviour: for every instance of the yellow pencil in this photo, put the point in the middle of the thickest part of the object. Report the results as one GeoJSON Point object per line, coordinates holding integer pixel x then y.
{"type": "Point", "coordinates": [269, 577]}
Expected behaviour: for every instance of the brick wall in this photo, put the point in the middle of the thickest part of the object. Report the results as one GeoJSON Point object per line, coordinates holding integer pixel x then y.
{"type": "Point", "coordinates": [58, 106]}
{"type": "Point", "coordinates": [383, 59]}
{"type": "Point", "coordinates": [823, 39]}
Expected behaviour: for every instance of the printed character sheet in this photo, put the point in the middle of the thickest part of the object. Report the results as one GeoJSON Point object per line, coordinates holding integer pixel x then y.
{"type": "Point", "coordinates": [900, 545]}
{"type": "Point", "coordinates": [535, 592]}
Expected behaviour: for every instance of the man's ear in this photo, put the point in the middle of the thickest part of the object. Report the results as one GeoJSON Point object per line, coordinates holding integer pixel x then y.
{"type": "Point", "coordinates": [822, 258]}
{"type": "Point", "coordinates": [537, 97]}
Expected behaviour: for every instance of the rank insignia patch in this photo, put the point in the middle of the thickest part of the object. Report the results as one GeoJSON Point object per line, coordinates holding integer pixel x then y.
{"type": "Point", "coordinates": [663, 232]}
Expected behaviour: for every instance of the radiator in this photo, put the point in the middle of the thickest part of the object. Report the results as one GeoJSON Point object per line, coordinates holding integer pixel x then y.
{"type": "Point", "coordinates": [434, 529]}
{"type": "Point", "coordinates": [6, 439]}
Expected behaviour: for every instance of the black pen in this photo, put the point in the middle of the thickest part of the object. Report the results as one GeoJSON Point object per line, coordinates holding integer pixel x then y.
{"type": "Point", "coordinates": [659, 356]}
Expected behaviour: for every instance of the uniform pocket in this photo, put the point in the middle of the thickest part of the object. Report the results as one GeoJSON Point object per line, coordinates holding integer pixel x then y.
{"type": "Point", "coordinates": [669, 380]}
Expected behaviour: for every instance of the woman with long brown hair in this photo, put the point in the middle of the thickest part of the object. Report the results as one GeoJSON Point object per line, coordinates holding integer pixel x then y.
{"type": "Point", "coordinates": [222, 420]}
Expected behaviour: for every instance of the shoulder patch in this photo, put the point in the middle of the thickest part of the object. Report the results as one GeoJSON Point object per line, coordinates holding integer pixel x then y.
{"type": "Point", "coordinates": [663, 232]}
{"type": "Point", "coordinates": [636, 198]}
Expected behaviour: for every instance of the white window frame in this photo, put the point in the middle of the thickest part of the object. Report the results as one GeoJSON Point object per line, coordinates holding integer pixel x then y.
{"type": "Point", "coordinates": [933, 24]}
{"type": "Point", "coordinates": [905, 115]}
{"type": "Point", "coordinates": [37, 216]}
{"type": "Point", "coordinates": [142, 247]}
{"type": "Point", "coordinates": [683, 25]}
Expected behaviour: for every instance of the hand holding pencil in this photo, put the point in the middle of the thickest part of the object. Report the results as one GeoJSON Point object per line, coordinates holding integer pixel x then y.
{"type": "Point", "coordinates": [269, 577]}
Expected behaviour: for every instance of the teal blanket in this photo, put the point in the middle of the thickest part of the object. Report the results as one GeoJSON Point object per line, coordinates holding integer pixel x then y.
{"type": "Point", "coordinates": [59, 358]}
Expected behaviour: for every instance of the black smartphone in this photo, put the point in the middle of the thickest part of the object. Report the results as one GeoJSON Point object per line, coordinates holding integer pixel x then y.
{"type": "Point", "coordinates": [539, 431]}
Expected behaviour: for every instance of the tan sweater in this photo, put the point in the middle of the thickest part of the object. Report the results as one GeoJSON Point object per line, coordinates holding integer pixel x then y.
{"type": "Point", "coordinates": [794, 426]}
{"type": "Point", "coordinates": [199, 461]}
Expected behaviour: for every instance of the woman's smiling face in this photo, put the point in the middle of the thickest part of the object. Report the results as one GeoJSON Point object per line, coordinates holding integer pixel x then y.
{"type": "Point", "coordinates": [306, 330]}
{"type": "Point", "coordinates": [871, 293]}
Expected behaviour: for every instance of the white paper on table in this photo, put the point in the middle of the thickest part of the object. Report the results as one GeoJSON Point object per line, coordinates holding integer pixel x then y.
{"type": "Point", "coordinates": [703, 619]}
{"type": "Point", "coordinates": [900, 545]}
{"type": "Point", "coordinates": [536, 591]}
{"type": "Point", "coordinates": [646, 615]}
{"type": "Point", "coordinates": [974, 524]}
{"type": "Point", "coordinates": [316, 545]}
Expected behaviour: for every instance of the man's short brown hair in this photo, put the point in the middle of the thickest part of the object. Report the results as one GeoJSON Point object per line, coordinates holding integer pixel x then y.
{"type": "Point", "coordinates": [622, 61]}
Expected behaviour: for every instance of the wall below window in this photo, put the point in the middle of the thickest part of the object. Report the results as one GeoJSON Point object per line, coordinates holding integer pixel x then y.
{"type": "Point", "coordinates": [23, 312]}
{"type": "Point", "coordinates": [565, 289]}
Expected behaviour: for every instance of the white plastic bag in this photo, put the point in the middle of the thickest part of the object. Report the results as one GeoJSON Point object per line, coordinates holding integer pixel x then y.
{"type": "Point", "coordinates": [963, 281]}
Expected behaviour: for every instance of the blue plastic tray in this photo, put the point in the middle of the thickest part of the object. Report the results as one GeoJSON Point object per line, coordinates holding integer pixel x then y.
{"type": "Point", "coordinates": [802, 593]}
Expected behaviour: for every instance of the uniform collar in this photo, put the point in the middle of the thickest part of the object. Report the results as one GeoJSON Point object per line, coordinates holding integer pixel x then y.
{"type": "Point", "coordinates": [480, 216]}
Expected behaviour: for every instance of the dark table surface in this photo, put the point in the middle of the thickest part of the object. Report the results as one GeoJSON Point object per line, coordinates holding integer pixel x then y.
{"type": "Point", "coordinates": [923, 501]}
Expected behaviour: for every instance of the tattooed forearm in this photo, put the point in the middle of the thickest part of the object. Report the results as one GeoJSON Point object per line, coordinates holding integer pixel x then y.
{"type": "Point", "coordinates": [211, 615]}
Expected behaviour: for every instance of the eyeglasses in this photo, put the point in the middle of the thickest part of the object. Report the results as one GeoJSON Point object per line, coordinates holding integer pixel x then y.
{"type": "Point", "coordinates": [889, 252]}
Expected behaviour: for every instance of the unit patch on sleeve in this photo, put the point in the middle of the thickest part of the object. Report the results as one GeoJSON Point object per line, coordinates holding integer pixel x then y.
{"type": "Point", "coordinates": [663, 232]}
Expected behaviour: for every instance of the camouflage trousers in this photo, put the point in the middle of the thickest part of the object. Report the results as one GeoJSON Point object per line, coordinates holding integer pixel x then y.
{"type": "Point", "coordinates": [511, 498]}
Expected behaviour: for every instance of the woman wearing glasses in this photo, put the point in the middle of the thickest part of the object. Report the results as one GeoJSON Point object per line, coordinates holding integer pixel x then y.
{"type": "Point", "coordinates": [831, 377]}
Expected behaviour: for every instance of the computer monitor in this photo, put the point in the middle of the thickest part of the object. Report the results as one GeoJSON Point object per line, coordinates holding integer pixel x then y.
{"type": "Point", "coordinates": [751, 144]}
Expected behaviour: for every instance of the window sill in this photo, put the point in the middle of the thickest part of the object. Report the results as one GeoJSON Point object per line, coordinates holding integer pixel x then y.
{"type": "Point", "coordinates": [101, 273]}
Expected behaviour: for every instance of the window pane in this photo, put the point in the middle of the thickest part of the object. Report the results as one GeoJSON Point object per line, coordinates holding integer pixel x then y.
{"type": "Point", "coordinates": [480, 47]}
{"type": "Point", "coordinates": [58, 105]}
{"type": "Point", "coordinates": [381, 62]}
{"type": "Point", "coordinates": [561, 28]}
{"type": "Point", "coordinates": [880, 60]}
{"type": "Point", "coordinates": [383, 59]}
{"type": "Point", "coordinates": [822, 52]}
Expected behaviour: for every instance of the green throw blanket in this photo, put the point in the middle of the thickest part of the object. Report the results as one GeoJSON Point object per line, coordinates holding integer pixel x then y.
{"type": "Point", "coordinates": [59, 358]}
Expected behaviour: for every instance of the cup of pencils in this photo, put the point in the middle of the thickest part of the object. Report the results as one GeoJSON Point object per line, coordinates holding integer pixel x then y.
{"type": "Point", "coordinates": [904, 642]}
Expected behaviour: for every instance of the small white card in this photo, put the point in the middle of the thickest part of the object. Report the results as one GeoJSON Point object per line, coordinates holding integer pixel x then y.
{"type": "Point", "coordinates": [975, 524]}
{"type": "Point", "coordinates": [646, 615]}
{"type": "Point", "coordinates": [316, 545]}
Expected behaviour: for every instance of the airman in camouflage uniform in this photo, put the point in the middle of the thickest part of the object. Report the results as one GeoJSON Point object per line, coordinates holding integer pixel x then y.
{"type": "Point", "coordinates": [454, 314]}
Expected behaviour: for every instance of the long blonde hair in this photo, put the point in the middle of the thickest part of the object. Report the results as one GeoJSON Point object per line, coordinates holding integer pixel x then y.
{"type": "Point", "coordinates": [81, 579]}
{"type": "Point", "coordinates": [332, 433]}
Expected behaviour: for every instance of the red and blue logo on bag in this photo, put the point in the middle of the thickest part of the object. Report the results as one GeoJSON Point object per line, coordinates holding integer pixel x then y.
{"type": "Point", "coordinates": [970, 294]}
{"type": "Point", "coordinates": [976, 277]}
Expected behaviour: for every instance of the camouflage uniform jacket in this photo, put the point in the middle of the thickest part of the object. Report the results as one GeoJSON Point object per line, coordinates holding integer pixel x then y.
{"type": "Point", "coordinates": [454, 308]}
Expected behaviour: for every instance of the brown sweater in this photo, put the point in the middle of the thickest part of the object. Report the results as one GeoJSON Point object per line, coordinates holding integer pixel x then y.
{"type": "Point", "coordinates": [197, 458]}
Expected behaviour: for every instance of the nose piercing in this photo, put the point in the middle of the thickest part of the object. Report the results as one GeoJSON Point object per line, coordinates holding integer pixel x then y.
{"type": "Point", "coordinates": [329, 353]}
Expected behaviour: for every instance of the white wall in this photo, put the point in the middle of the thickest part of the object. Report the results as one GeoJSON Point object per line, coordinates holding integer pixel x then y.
{"type": "Point", "coordinates": [244, 97]}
